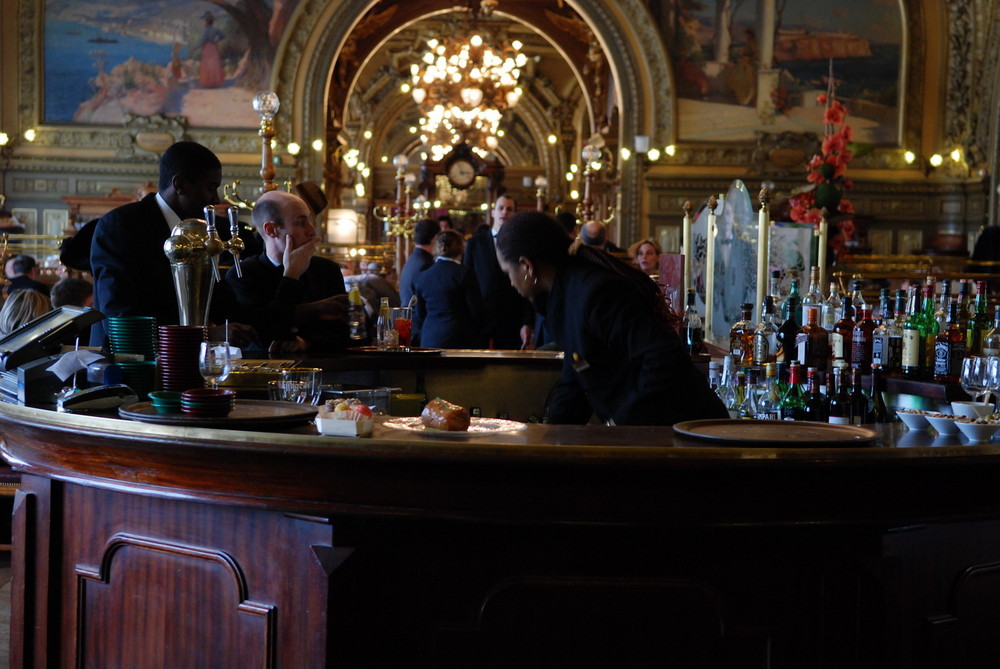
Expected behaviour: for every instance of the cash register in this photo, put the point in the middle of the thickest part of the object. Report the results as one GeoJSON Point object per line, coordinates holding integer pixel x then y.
{"type": "Point", "coordinates": [28, 352]}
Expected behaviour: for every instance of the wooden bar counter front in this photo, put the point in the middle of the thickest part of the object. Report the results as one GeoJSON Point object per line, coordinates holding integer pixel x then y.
{"type": "Point", "coordinates": [140, 545]}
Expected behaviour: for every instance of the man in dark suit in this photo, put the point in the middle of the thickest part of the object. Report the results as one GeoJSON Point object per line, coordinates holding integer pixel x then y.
{"type": "Point", "coordinates": [294, 298]}
{"type": "Point", "coordinates": [509, 316]}
{"type": "Point", "coordinates": [132, 274]}
{"type": "Point", "coordinates": [23, 272]}
{"type": "Point", "coordinates": [420, 258]}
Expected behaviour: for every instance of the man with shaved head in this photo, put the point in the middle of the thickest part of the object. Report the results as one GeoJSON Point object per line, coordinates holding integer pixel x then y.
{"type": "Point", "coordinates": [294, 298]}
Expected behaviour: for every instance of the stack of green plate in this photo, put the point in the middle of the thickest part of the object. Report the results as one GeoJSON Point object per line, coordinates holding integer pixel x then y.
{"type": "Point", "coordinates": [139, 376]}
{"type": "Point", "coordinates": [132, 335]}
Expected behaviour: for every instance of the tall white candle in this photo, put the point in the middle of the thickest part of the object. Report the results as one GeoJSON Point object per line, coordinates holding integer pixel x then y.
{"type": "Point", "coordinates": [763, 248]}
{"type": "Point", "coordinates": [710, 267]}
{"type": "Point", "coordinates": [686, 244]}
{"type": "Point", "coordinates": [822, 233]}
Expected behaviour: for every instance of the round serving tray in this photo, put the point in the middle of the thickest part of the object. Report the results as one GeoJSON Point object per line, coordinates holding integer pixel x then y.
{"type": "Point", "coordinates": [246, 415]}
{"type": "Point", "coordinates": [775, 433]}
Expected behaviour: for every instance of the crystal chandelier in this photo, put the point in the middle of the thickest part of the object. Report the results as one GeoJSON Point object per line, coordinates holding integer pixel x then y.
{"type": "Point", "coordinates": [463, 84]}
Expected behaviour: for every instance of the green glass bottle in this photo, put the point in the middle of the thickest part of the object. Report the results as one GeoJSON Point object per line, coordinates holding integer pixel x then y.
{"type": "Point", "coordinates": [979, 322]}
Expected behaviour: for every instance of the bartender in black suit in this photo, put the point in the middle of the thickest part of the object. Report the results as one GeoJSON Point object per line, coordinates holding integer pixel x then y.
{"type": "Point", "coordinates": [294, 298]}
{"type": "Point", "coordinates": [623, 358]}
{"type": "Point", "coordinates": [131, 272]}
{"type": "Point", "coordinates": [509, 316]}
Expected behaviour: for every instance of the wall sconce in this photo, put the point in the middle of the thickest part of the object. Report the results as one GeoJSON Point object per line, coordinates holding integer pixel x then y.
{"type": "Point", "coordinates": [317, 145]}
{"type": "Point", "coordinates": [936, 160]}
{"type": "Point", "coordinates": [653, 155]}
{"type": "Point", "coordinates": [641, 143]}
{"type": "Point", "coordinates": [30, 135]}
{"type": "Point", "coordinates": [294, 148]}
{"type": "Point", "coordinates": [910, 157]}
{"type": "Point", "coordinates": [670, 150]}
{"type": "Point", "coordinates": [956, 155]}
{"type": "Point", "coordinates": [625, 153]}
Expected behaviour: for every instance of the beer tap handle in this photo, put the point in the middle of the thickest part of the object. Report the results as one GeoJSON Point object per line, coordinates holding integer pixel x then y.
{"type": "Point", "coordinates": [213, 244]}
{"type": "Point", "coordinates": [235, 245]}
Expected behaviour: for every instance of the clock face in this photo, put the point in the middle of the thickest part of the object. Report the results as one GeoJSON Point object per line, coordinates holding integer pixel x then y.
{"type": "Point", "coordinates": [461, 173]}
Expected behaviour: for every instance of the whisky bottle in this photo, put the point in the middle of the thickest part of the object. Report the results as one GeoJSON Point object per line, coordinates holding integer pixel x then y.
{"type": "Point", "coordinates": [741, 336]}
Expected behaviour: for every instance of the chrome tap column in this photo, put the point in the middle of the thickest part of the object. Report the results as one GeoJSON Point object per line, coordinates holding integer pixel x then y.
{"type": "Point", "coordinates": [192, 254]}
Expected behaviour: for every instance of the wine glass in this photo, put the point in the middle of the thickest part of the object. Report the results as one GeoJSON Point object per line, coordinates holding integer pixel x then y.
{"type": "Point", "coordinates": [975, 376]}
{"type": "Point", "coordinates": [213, 362]}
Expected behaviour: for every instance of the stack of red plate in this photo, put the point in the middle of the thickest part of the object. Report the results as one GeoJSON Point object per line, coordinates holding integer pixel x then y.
{"type": "Point", "coordinates": [208, 402]}
{"type": "Point", "coordinates": [177, 357]}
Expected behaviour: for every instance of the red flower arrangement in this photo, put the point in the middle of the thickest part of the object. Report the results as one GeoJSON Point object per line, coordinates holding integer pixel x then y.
{"type": "Point", "coordinates": [827, 171]}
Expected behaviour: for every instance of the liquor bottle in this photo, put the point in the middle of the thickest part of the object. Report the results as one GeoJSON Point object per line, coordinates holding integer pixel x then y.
{"type": "Point", "coordinates": [964, 303]}
{"type": "Point", "coordinates": [887, 341]}
{"type": "Point", "coordinates": [812, 343]}
{"type": "Point", "coordinates": [857, 297]}
{"type": "Point", "coordinates": [748, 407]}
{"type": "Point", "coordinates": [991, 342]}
{"type": "Point", "coordinates": [914, 356]}
{"type": "Point", "coordinates": [879, 412]}
{"type": "Point", "coordinates": [814, 296]}
{"type": "Point", "coordinates": [815, 406]}
{"type": "Point", "coordinates": [357, 320]}
{"type": "Point", "coordinates": [949, 349]}
{"type": "Point", "coordinates": [770, 400]}
{"type": "Point", "coordinates": [860, 413]}
{"type": "Point", "coordinates": [774, 291]}
{"type": "Point", "coordinates": [930, 335]}
{"type": "Point", "coordinates": [979, 323]}
{"type": "Point", "coordinates": [862, 341]}
{"type": "Point", "coordinates": [727, 383]}
{"type": "Point", "coordinates": [765, 345]}
{"type": "Point", "coordinates": [714, 375]}
{"type": "Point", "coordinates": [788, 331]}
{"type": "Point", "coordinates": [791, 308]}
{"type": "Point", "coordinates": [691, 327]}
{"type": "Point", "coordinates": [793, 401]}
{"type": "Point", "coordinates": [738, 396]}
{"type": "Point", "coordinates": [941, 312]}
{"type": "Point", "coordinates": [833, 306]}
{"type": "Point", "coordinates": [884, 305]}
{"type": "Point", "coordinates": [383, 326]}
{"type": "Point", "coordinates": [838, 409]}
{"type": "Point", "coordinates": [843, 334]}
{"type": "Point", "coordinates": [741, 336]}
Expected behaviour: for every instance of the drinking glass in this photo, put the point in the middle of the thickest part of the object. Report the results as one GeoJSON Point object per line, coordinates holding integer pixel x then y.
{"type": "Point", "coordinates": [213, 362]}
{"type": "Point", "coordinates": [402, 322]}
{"type": "Point", "coordinates": [301, 385]}
{"type": "Point", "coordinates": [974, 379]}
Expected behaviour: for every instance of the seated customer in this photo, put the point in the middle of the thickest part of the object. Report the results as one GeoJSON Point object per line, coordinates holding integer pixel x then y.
{"type": "Point", "coordinates": [295, 299]}
{"type": "Point", "coordinates": [449, 312]}
{"type": "Point", "coordinates": [22, 307]}
{"type": "Point", "coordinates": [23, 271]}
{"type": "Point", "coordinates": [73, 293]}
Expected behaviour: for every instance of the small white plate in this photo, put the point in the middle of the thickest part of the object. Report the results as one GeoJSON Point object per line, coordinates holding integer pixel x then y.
{"type": "Point", "coordinates": [478, 427]}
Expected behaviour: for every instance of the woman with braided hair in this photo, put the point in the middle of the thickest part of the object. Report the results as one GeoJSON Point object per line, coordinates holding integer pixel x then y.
{"type": "Point", "coordinates": [623, 358]}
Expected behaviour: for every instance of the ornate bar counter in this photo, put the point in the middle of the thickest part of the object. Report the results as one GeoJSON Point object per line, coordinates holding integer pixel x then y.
{"type": "Point", "coordinates": [140, 545]}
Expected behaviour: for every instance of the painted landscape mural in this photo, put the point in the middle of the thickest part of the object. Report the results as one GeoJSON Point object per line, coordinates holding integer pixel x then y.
{"type": "Point", "coordinates": [731, 82]}
{"type": "Point", "coordinates": [203, 59]}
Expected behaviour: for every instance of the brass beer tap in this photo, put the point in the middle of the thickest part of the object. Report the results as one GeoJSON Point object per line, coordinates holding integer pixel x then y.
{"type": "Point", "coordinates": [235, 245]}
{"type": "Point", "coordinates": [214, 246]}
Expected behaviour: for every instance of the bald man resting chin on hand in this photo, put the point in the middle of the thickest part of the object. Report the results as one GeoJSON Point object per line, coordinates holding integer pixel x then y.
{"type": "Point", "coordinates": [295, 299]}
